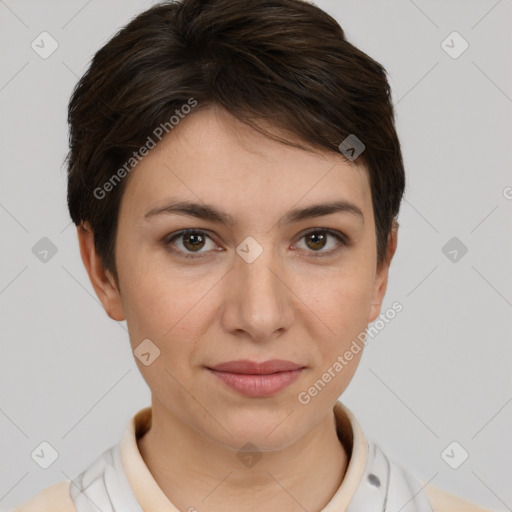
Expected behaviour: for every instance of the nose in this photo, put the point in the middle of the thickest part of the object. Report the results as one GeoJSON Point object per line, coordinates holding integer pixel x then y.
{"type": "Point", "coordinates": [259, 300]}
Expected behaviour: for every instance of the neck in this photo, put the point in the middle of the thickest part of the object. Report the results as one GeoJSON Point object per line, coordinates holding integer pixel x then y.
{"type": "Point", "coordinates": [196, 472]}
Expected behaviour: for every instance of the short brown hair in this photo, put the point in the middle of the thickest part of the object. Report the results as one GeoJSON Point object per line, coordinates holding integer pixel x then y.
{"type": "Point", "coordinates": [283, 61]}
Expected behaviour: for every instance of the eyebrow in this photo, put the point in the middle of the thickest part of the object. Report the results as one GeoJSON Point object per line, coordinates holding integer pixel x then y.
{"type": "Point", "coordinates": [211, 213]}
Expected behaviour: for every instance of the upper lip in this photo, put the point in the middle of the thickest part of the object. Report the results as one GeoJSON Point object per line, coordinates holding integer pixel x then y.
{"type": "Point", "coordinates": [248, 367]}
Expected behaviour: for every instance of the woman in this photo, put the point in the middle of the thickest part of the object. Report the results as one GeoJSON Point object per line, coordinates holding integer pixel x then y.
{"type": "Point", "coordinates": [235, 177]}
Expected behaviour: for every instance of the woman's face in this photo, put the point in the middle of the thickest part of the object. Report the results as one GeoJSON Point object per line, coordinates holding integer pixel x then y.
{"type": "Point", "coordinates": [266, 284]}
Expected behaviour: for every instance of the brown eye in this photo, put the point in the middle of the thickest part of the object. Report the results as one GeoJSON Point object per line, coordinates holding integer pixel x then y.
{"type": "Point", "coordinates": [193, 241]}
{"type": "Point", "coordinates": [317, 239]}
{"type": "Point", "coordinates": [189, 243]}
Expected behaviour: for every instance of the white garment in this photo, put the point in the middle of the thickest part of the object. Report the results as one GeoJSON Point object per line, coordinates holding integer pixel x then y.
{"type": "Point", "coordinates": [385, 487]}
{"type": "Point", "coordinates": [120, 481]}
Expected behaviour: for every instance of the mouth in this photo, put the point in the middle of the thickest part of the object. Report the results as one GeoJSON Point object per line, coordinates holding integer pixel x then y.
{"type": "Point", "coordinates": [255, 379]}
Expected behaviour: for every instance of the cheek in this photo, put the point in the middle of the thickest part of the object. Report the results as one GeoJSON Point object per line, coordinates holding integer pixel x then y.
{"type": "Point", "coordinates": [346, 295]}
{"type": "Point", "coordinates": [166, 316]}
{"type": "Point", "coordinates": [164, 306]}
{"type": "Point", "coordinates": [342, 303]}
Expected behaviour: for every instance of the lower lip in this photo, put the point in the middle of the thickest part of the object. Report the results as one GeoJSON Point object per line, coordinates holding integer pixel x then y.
{"type": "Point", "coordinates": [258, 385]}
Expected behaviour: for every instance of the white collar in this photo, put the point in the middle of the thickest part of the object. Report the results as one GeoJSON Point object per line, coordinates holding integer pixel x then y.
{"type": "Point", "coordinates": [120, 481]}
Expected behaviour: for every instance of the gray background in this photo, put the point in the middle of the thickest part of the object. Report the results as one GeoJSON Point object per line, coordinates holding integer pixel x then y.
{"type": "Point", "coordinates": [439, 372]}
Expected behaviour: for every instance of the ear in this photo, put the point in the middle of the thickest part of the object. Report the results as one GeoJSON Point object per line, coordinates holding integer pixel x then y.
{"type": "Point", "coordinates": [102, 280]}
{"type": "Point", "coordinates": [381, 279]}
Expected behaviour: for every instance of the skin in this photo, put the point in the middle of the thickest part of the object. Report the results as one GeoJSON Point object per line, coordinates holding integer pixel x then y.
{"type": "Point", "coordinates": [288, 304]}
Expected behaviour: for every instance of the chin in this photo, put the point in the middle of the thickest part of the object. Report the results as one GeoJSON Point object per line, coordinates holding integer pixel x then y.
{"type": "Point", "coordinates": [269, 427]}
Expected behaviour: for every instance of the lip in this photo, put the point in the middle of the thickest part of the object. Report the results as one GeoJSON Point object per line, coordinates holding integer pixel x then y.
{"type": "Point", "coordinates": [256, 379]}
{"type": "Point", "coordinates": [249, 367]}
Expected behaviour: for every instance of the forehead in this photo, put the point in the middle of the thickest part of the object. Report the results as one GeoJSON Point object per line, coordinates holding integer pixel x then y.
{"type": "Point", "coordinates": [212, 157]}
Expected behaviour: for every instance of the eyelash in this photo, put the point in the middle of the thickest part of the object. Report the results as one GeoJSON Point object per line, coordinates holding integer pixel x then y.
{"type": "Point", "coordinates": [342, 239]}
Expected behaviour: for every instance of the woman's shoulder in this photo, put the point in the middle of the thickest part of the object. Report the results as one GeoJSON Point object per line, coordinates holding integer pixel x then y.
{"type": "Point", "coordinates": [55, 498]}
{"type": "Point", "coordinates": [442, 501]}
